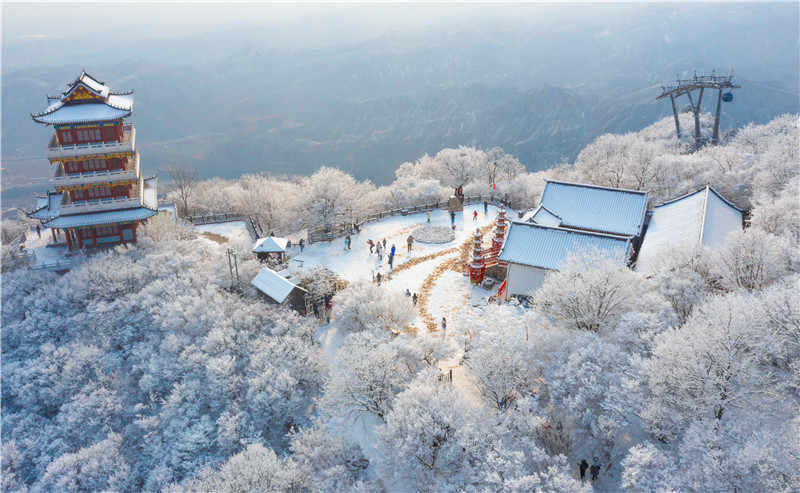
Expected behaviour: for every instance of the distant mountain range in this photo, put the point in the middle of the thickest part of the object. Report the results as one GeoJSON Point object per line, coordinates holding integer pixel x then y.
{"type": "Point", "coordinates": [540, 88]}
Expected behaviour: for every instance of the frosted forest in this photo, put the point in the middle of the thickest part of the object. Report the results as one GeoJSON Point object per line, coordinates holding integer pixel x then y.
{"type": "Point", "coordinates": [142, 370]}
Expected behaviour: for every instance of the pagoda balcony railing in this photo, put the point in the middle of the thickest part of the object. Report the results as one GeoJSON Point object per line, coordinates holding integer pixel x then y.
{"type": "Point", "coordinates": [56, 150]}
{"type": "Point", "coordinates": [129, 172]}
{"type": "Point", "coordinates": [101, 205]}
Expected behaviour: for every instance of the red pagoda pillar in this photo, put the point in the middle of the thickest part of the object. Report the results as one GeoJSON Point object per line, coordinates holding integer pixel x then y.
{"type": "Point", "coordinates": [477, 268]}
{"type": "Point", "coordinates": [69, 240]}
{"type": "Point", "coordinates": [499, 230]}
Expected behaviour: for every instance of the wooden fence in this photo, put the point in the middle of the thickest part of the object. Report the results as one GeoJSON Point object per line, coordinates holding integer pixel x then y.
{"type": "Point", "coordinates": [341, 230]}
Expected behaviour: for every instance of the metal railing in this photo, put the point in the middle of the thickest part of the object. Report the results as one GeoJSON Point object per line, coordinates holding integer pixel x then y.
{"type": "Point", "coordinates": [128, 144]}
{"type": "Point", "coordinates": [62, 179]}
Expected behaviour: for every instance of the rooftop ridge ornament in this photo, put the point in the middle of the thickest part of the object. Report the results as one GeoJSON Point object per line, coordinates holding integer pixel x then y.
{"type": "Point", "coordinates": [686, 86]}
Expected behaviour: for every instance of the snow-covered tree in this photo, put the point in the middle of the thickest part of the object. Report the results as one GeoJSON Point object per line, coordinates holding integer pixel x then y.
{"type": "Point", "coordinates": [368, 377]}
{"type": "Point", "coordinates": [366, 306]}
{"type": "Point", "coordinates": [589, 292]}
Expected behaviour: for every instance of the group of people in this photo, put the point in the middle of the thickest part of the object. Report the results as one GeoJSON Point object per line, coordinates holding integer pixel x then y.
{"type": "Point", "coordinates": [413, 297]}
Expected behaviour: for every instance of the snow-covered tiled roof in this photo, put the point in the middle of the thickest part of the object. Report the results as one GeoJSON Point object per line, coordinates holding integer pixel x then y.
{"type": "Point", "coordinates": [84, 113]}
{"type": "Point", "coordinates": [100, 218]}
{"type": "Point", "coordinates": [110, 106]}
{"type": "Point", "coordinates": [544, 217]}
{"type": "Point", "coordinates": [270, 244]}
{"type": "Point", "coordinates": [273, 285]}
{"type": "Point", "coordinates": [703, 217]}
{"type": "Point", "coordinates": [47, 207]}
{"type": "Point", "coordinates": [608, 210]}
{"type": "Point", "coordinates": [548, 247]}
{"type": "Point", "coordinates": [97, 86]}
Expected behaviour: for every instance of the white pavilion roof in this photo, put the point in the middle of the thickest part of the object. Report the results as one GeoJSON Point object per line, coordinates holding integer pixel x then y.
{"type": "Point", "coordinates": [273, 285]}
{"type": "Point", "coordinates": [270, 244]}
{"type": "Point", "coordinates": [703, 218]}
{"type": "Point", "coordinates": [609, 210]}
{"type": "Point", "coordinates": [548, 247]}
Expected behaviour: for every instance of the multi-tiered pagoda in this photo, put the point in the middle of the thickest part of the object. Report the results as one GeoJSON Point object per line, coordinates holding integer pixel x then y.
{"type": "Point", "coordinates": [100, 197]}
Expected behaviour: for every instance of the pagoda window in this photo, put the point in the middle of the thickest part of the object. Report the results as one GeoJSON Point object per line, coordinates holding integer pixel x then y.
{"type": "Point", "coordinates": [65, 136]}
{"type": "Point", "coordinates": [108, 231]}
{"type": "Point", "coordinates": [109, 134]}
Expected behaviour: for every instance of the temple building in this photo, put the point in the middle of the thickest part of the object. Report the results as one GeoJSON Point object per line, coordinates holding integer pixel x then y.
{"type": "Point", "coordinates": [571, 217]}
{"type": "Point", "coordinates": [100, 197]}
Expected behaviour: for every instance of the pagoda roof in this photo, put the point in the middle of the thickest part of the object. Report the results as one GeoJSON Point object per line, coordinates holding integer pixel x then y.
{"type": "Point", "coordinates": [86, 100]}
{"type": "Point", "coordinates": [51, 216]}
{"type": "Point", "coordinates": [100, 218]}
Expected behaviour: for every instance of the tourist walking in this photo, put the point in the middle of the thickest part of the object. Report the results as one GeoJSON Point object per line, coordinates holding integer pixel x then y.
{"type": "Point", "coordinates": [391, 261]}
{"type": "Point", "coordinates": [444, 327]}
{"type": "Point", "coordinates": [410, 241]}
{"type": "Point", "coordinates": [347, 240]}
{"type": "Point", "coordinates": [302, 244]}
{"type": "Point", "coordinates": [39, 231]}
{"type": "Point", "coordinates": [378, 277]}
{"type": "Point", "coordinates": [392, 251]}
{"type": "Point", "coordinates": [316, 310]}
{"type": "Point", "coordinates": [485, 206]}
{"type": "Point", "coordinates": [452, 217]}
{"type": "Point", "coordinates": [595, 469]}
{"type": "Point", "coordinates": [414, 299]}
{"type": "Point", "coordinates": [475, 216]}
{"type": "Point", "coordinates": [429, 216]}
{"type": "Point", "coordinates": [371, 244]}
{"type": "Point", "coordinates": [384, 243]}
{"type": "Point", "coordinates": [408, 292]}
{"type": "Point", "coordinates": [379, 250]}
{"type": "Point", "coordinates": [583, 466]}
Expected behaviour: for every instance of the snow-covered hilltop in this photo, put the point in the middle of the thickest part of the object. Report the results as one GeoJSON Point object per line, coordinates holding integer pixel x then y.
{"type": "Point", "coordinates": [144, 368]}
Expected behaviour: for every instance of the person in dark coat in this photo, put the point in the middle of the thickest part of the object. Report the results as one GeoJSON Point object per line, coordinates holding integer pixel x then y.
{"type": "Point", "coordinates": [485, 206]}
{"type": "Point", "coordinates": [384, 243]}
{"type": "Point", "coordinates": [316, 310]}
{"type": "Point", "coordinates": [583, 466]}
{"type": "Point", "coordinates": [302, 244]}
{"type": "Point", "coordinates": [391, 261]}
{"type": "Point", "coordinates": [378, 277]}
{"type": "Point", "coordinates": [408, 292]}
{"type": "Point", "coordinates": [595, 469]}
{"type": "Point", "coordinates": [414, 299]}
{"type": "Point", "coordinates": [38, 231]}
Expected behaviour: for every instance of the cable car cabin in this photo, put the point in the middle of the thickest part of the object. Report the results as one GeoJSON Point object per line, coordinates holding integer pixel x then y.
{"type": "Point", "coordinates": [727, 97]}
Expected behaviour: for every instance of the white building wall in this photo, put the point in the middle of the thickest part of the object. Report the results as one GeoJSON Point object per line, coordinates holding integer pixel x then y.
{"type": "Point", "coordinates": [522, 279]}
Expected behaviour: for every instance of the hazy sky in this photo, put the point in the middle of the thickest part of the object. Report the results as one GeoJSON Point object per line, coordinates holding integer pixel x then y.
{"type": "Point", "coordinates": [26, 21]}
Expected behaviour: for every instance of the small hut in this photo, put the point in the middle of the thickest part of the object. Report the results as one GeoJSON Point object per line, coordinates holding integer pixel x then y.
{"type": "Point", "coordinates": [280, 290]}
{"type": "Point", "coordinates": [270, 247]}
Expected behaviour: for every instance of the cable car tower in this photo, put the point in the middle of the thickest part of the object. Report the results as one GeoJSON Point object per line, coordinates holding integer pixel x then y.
{"type": "Point", "coordinates": [721, 83]}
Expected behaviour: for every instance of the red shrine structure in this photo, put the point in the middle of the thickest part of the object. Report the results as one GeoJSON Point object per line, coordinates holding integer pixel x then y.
{"type": "Point", "coordinates": [100, 197]}
{"type": "Point", "coordinates": [481, 259]}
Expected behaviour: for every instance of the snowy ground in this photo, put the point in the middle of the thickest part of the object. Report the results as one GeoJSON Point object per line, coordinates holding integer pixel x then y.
{"type": "Point", "coordinates": [450, 291]}
{"type": "Point", "coordinates": [232, 230]}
